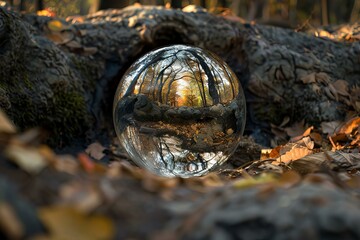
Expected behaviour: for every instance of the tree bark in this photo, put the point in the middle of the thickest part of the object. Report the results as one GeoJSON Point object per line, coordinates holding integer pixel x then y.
{"type": "Point", "coordinates": [67, 86]}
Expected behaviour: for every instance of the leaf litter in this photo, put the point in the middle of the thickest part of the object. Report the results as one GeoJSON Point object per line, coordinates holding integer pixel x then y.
{"type": "Point", "coordinates": [90, 196]}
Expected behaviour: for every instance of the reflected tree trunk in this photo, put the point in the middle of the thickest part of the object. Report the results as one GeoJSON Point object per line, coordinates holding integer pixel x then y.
{"type": "Point", "coordinates": [324, 12]}
{"type": "Point", "coordinates": [22, 6]}
{"type": "Point", "coordinates": [176, 3]}
{"type": "Point", "coordinates": [235, 6]}
{"type": "Point", "coordinates": [105, 4]}
{"type": "Point", "coordinates": [40, 5]}
{"type": "Point", "coordinates": [355, 12]}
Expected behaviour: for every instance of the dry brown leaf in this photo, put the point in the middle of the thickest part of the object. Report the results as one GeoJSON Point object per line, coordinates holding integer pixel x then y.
{"type": "Point", "coordinates": [265, 153]}
{"type": "Point", "coordinates": [67, 223]}
{"type": "Point", "coordinates": [294, 154]}
{"type": "Point", "coordinates": [10, 225]}
{"type": "Point", "coordinates": [322, 77]}
{"type": "Point", "coordinates": [342, 87]}
{"type": "Point", "coordinates": [316, 137]}
{"type": "Point", "coordinates": [308, 131]}
{"type": "Point", "coordinates": [28, 159]}
{"type": "Point", "coordinates": [95, 150]}
{"type": "Point", "coordinates": [332, 92]}
{"type": "Point", "coordinates": [308, 143]}
{"type": "Point", "coordinates": [330, 127]}
{"type": "Point", "coordinates": [350, 126]}
{"type": "Point", "coordinates": [340, 158]}
{"type": "Point", "coordinates": [296, 129]}
{"type": "Point", "coordinates": [275, 152]}
{"type": "Point", "coordinates": [6, 125]}
{"type": "Point", "coordinates": [308, 164]}
{"type": "Point", "coordinates": [310, 78]}
{"type": "Point", "coordinates": [56, 26]}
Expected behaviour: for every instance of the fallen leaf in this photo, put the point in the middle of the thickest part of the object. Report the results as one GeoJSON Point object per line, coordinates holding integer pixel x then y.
{"type": "Point", "coordinates": [297, 129]}
{"type": "Point", "coordinates": [342, 87]}
{"type": "Point", "coordinates": [67, 223]}
{"type": "Point", "coordinates": [294, 154]}
{"type": "Point", "coordinates": [308, 143]}
{"type": "Point", "coordinates": [310, 78]}
{"type": "Point", "coordinates": [85, 161]}
{"type": "Point", "coordinates": [10, 225]}
{"type": "Point", "coordinates": [6, 125]}
{"type": "Point", "coordinates": [56, 26]}
{"type": "Point", "coordinates": [265, 153]}
{"type": "Point", "coordinates": [95, 150]}
{"type": "Point", "coordinates": [330, 127]}
{"type": "Point", "coordinates": [28, 159]}
{"type": "Point", "coordinates": [308, 131]}
{"type": "Point", "coordinates": [322, 77]}
{"type": "Point", "coordinates": [316, 137]}
{"type": "Point", "coordinates": [46, 12]}
{"type": "Point", "coordinates": [350, 126]}
{"type": "Point", "coordinates": [275, 152]}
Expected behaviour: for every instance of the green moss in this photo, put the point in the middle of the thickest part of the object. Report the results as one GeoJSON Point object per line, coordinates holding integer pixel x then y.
{"type": "Point", "coordinates": [70, 117]}
{"type": "Point", "coordinates": [87, 69]}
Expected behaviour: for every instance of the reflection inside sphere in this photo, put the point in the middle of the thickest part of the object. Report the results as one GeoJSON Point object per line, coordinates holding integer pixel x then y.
{"type": "Point", "coordinates": [179, 111]}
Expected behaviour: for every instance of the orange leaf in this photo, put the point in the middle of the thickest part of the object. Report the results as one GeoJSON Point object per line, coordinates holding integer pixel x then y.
{"type": "Point", "coordinates": [316, 137]}
{"type": "Point", "coordinates": [275, 153]}
{"type": "Point", "coordinates": [86, 162]}
{"type": "Point", "coordinates": [350, 126]}
{"type": "Point", "coordinates": [294, 154]}
{"type": "Point", "coordinates": [308, 131]}
{"type": "Point", "coordinates": [56, 26]}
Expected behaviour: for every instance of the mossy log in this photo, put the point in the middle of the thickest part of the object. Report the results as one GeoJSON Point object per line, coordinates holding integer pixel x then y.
{"type": "Point", "coordinates": [61, 75]}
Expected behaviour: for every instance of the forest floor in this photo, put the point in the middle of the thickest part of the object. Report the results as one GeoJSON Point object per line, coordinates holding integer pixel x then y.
{"type": "Point", "coordinates": [308, 187]}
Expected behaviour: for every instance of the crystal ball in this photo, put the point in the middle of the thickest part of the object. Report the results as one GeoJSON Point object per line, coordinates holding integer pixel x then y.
{"type": "Point", "coordinates": [179, 111]}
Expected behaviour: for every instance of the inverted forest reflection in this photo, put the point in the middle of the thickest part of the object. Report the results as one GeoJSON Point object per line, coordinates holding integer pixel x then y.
{"type": "Point", "coordinates": [180, 79]}
{"type": "Point", "coordinates": [179, 111]}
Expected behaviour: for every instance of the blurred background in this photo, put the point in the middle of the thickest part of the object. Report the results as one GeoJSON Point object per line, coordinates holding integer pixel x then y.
{"type": "Point", "coordinates": [284, 13]}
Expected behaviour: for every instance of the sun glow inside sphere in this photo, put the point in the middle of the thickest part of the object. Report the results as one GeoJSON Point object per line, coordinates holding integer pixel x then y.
{"type": "Point", "coordinates": [179, 111]}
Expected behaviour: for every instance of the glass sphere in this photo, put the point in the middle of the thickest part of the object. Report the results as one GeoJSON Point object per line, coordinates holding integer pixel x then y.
{"type": "Point", "coordinates": [179, 111]}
